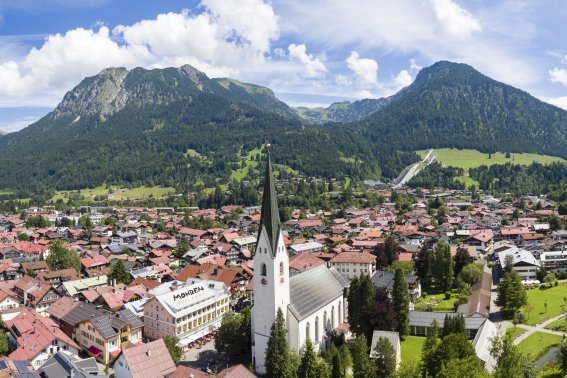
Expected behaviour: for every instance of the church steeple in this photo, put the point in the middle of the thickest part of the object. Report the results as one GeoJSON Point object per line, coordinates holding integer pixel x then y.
{"type": "Point", "coordinates": [270, 218]}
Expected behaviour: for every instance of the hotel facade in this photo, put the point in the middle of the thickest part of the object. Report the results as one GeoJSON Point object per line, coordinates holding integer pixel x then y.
{"type": "Point", "coordinates": [188, 310]}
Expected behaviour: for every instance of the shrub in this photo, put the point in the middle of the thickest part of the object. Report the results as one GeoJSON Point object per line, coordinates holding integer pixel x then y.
{"type": "Point", "coordinates": [490, 265]}
{"type": "Point", "coordinates": [447, 295]}
{"type": "Point", "coordinates": [424, 294]}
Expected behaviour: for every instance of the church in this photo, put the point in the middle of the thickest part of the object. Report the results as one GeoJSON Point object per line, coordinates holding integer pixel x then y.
{"type": "Point", "coordinates": [313, 302]}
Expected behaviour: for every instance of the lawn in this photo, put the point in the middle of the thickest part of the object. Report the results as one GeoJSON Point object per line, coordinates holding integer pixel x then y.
{"type": "Point", "coordinates": [515, 331]}
{"type": "Point", "coordinates": [538, 343]}
{"type": "Point", "coordinates": [471, 158]}
{"type": "Point", "coordinates": [437, 302]}
{"type": "Point", "coordinates": [115, 193]}
{"type": "Point", "coordinates": [249, 162]}
{"type": "Point", "coordinates": [466, 181]}
{"type": "Point", "coordinates": [555, 297]}
{"type": "Point", "coordinates": [558, 325]}
{"type": "Point", "coordinates": [411, 348]}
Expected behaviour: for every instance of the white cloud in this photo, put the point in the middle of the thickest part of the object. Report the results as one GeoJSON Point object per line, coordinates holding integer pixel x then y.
{"type": "Point", "coordinates": [17, 124]}
{"type": "Point", "coordinates": [313, 66]}
{"type": "Point", "coordinates": [366, 70]}
{"type": "Point", "coordinates": [342, 80]}
{"type": "Point", "coordinates": [557, 101]}
{"type": "Point", "coordinates": [558, 75]}
{"type": "Point", "coordinates": [403, 79]}
{"type": "Point", "coordinates": [455, 20]}
{"type": "Point", "coordinates": [228, 37]}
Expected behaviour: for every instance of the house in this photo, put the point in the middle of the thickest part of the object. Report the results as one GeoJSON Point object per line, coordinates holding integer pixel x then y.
{"type": "Point", "coordinates": [73, 288]}
{"type": "Point", "coordinates": [352, 264]}
{"type": "Point", "coordinates": [8, 299]}
{"type": "Point", "coordinates": [36, 337]}
{"type": "Point", "coordinates": [67, 365]}
{"type": "Point", "coordinates": [17, 368]}
{"type": "Point", "coordinates": [554, 261]}
{"type": "Point", "coordinates": [386, 280]}
{"type": "Point", "coordinates": [306, 247]}
{"type": "Point", "coordinates": [35, 294]}
{"type": "Point", "coordinates": [421, 322]}
{"type": "Point", "coordinates": [524, 262]}
{"type": "Point", "coordinates": [393, 338]}
{"type": "Point", "coordinates": [56, 277]}
{"type": "Point", "coordinates": [304, 261]}
{"type": "Point", "coordinates": [145, 360]}
{"type": "Point", "coordinates": [9, 271]}
{"type": "Point", "coordinates": [478, 304]}
{"type": "Point", "coordinates": [101, 333]}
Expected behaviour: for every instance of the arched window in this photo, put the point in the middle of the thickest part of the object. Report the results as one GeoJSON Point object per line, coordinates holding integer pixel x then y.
{"type": "Point", "coordinates": [340, 318]}
{"type": "Point", "coordinates": [324, 321]}
{"type": "Point", "coordinates": [281, 268]}
{"type": "Point", "coordinates": [317, 329]}
{"type": "Point", "coordinates": [263, 269]}
{"type": "Point", "coordinates": [307, 335]}
{"type": "Point", "coordinates": [333, 317]}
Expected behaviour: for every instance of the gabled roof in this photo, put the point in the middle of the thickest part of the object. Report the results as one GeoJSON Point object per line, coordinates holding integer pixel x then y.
{"type": "Point", "coordinates": [311, 290]}
{"type": "Point", "coordinates": [149, 360]}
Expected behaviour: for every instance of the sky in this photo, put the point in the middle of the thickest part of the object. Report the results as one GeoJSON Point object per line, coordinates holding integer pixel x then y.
{"type": "Point", "coordinates": [310, 52]}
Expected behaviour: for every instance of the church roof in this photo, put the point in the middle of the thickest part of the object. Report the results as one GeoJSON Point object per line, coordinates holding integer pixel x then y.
{"type": "Point", "coordinates": [311, 290]}
{"type": "Point", "coordinates": [270, 218]}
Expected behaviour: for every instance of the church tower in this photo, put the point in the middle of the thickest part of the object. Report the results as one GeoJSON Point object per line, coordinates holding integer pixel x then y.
{"type": "Point", "coordinates": [271, 273]}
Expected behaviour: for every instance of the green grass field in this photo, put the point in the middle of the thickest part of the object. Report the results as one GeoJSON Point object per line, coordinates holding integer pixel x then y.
{"type": "Point", "coordinates": [437, 302]}
{"type": "Point", "coordinates": [117, 194]}
{"type": "Point", "coordinates": [515, 331]}
{"type": "Point", "coordinates": [411, 348]}
{"type": "Point", "coordinates": [538, 343]}
{"type": "Point", "coordinates": [466, 180]}
{"type": "Point", "coordinates": [558, 325]}
{"type": "Point", "coordinates": [554, 296]}
{"type": "Point", "coordinates": [471, 158]}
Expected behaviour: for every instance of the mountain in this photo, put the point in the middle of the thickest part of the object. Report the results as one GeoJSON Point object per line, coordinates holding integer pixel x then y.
{"type": "Point", "coordinates": [453, 105]}
{"type": "Point", "coordinates": [171, 127]}
{"type": "Point", "coordinates": [178, 127]}
{"type": "Point", "coordinates": [345, 111]}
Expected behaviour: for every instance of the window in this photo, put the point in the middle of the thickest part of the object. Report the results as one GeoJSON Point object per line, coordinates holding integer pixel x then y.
{"type": "Point", "coordinates": [340, 318]}
{"type": "Point", "coordinates": [333, 317]}
{"type": "Point", "coordinates": [325, 320]}
{"type": "Point", "coordinates": [317, 329]}
{"type": "Point", "coordinates": [281, 269]}
{"type": "Point", "coordinates": [307, 335]}
{"type": "Point", "coordinates": [263, 269]}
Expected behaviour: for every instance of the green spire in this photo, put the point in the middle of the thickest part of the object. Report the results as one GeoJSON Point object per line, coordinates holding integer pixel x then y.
{"type": "Point", "coordinates": [270, 218]}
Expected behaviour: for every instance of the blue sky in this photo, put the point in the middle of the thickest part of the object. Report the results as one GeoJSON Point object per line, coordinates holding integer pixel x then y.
{"type": "Point", "coordinates": [309, 52]}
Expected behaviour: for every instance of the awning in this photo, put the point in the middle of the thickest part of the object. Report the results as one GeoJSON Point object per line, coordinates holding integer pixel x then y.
{"type": "Point", "coordinates": [94, 351]}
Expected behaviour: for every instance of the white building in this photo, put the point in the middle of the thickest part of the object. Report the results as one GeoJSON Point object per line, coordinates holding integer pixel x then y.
{"type": "Point", "coordinates": [554, 261]}
{"type": "Point", "coordinates": [188, 310]}
{"type": "Point", "coordinates": [353, 264]}
{"type": "Point", "coordinates": [524, 262]}
{"type": "Point", "coordinates": [312, 302]}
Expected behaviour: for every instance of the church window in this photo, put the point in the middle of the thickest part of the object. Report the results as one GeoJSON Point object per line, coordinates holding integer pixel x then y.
{"type": "Point", "coordinates": [333, 317]}
{"type": "Point", "coordinates": [340, 319]}
{"type": "Point", "coordinates": [325, 320]}
{"type": "Point", "coordinates": [317, 329]}
{"type": "Point", "coordinates": [281, 269]}
{"type": "Point", "coordinates": [307, 335]}
{"type": "Point", "coordinates": [263, 269]}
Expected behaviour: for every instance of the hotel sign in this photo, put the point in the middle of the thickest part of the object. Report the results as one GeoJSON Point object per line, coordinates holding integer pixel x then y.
{"type": "Point", "coordinates": [188, 293]}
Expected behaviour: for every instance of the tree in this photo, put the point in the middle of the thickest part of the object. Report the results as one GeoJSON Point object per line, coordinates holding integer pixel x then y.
{"type": "Point", "coordinates": [362, 293]}
{"type": "Point", "coordinates": [511, 295]}
{"type": "Point", "coordinates": [400, 298]}
{"type": "Point", "coordinates": [442, 266]}
{"type": "Point", "coordinates": [428, 349]}
{"type": "Point", "coordinates": [562, 357]}
{"type": "Point", "coordinates": [182, 247]}
{"type": "Point", "coordinates": [549, 279]}
{"type": "Point", "coordinates": [120, 273]}
{"type": "Point", "coordinates": [232, 335]}
{"type": "Point", "coordinates": [554, 222]}
{"type": "Point", "coordinates": [385, 356]}
{"type": "Point", "coordinates": [378, 314]}
{"type": "Point", "coordinates": [462, 259]}
{"type": "Point", "coordinates": [470, 367]}
{"type": "Point", "coordinates": [4, 343]}
{"type": "Point", "coordinates": [453, 346]}
{"type": "Point", "coordinates": [387, 253]}
{"type": "Point", "coordinates": [338, 371]}
{"type": "Point", "coordinates": [308, 365]}
{"type": "Point", "coordinates": [510, 361]}
{"type": "Point", "coordinates": [362, 365]}
{"type": "Point", "coordinates": [277, 354]}
{"type": "Point", "coordinates": [421, 263]}
{"type": "Point", "coordinates": [62, 258]}
{"type": "Point", "coordinates": [172, 344]}
{"type": "Point", "coordinates": [346, 358]}
{"type": "Point", "coordinates": [471, 273]}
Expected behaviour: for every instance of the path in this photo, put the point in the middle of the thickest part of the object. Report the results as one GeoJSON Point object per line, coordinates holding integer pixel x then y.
{"type": "Point", "coordinates": [540, 327]}
{"type": "Point", "coordinates": [410, 172]}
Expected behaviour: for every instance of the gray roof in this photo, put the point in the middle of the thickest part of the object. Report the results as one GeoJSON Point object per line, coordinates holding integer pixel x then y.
{"type": "Point", "coordinates": [342, 280]}
{"type": "Point", "coordinates": [313, 289]}
{"type": "Point", "coordinates": [106, 323]}
{"type": "Point", "coordinates": [61, 364]}
{"type": "Point", "coordinates": [385, 279]}
{"type": "Point", "coordinates": [425, 318]}
{"type": "Point", "coordinates": [270, 218]}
